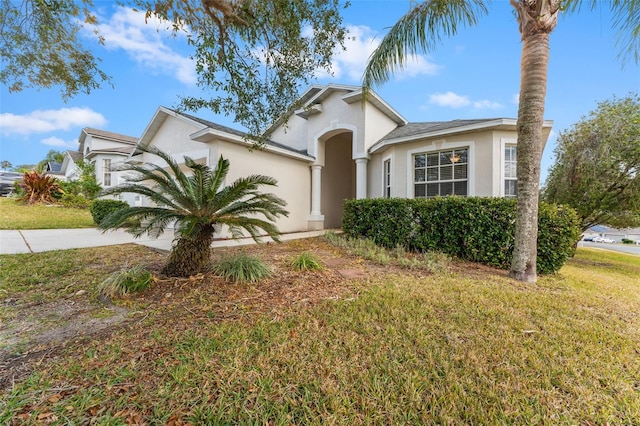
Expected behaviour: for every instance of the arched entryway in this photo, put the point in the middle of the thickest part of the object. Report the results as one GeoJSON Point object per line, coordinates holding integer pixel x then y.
{"type": "Point", "coordinates": [338, 177]}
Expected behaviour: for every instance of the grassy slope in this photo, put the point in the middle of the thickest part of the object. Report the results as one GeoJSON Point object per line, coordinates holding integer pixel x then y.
{"type": "Point", "coordinates": [15, 215]}
{"type": "Point", "coordinates": [466, 347]}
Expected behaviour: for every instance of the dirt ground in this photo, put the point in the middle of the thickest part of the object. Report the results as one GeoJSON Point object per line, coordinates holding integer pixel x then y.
{"type": "Point", "coordinates": [43, 331]}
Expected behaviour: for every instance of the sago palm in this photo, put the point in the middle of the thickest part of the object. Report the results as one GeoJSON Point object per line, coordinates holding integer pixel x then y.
{"type": "Point", "coordinates": [421, 30]}
{"type": "Point", "coordinates": [198, 204]}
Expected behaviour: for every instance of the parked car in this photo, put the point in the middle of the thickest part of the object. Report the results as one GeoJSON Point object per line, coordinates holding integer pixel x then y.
{"type": "Point", "coordinates": [603, 240]}
{"type": "Point", "coordinates": [590, 238]}
{"type": "Point", "coordinates": [7, 180]}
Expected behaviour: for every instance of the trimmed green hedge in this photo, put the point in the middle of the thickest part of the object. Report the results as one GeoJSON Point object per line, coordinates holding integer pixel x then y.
{"type": "Point", "coordinates": [472, 228]}
{"type": "Point", "coordinates": [102, 208]}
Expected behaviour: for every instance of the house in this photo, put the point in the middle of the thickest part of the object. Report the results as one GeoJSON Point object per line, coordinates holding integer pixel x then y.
{"type": "Point", "coordinates": [103, 149]}
{"type": "Point", "coordinates": [336, 147]}
{"type": "Point", "coordinates": [53, 168]}
{"type": "Point", "coordinates": [69, 166]}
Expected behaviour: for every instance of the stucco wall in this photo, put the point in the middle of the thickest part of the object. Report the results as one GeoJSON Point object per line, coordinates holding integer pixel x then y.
{"type": "Point", "coordinates": [480, 170]}
{"type": "Point", "coordinates": [173, 137]}
{"type": "Point", "coordinates": [293, 176]}
{"type": "Point", "coordinates": [293, 133]}
{"type": "Point", "coordinates": [98, 160]}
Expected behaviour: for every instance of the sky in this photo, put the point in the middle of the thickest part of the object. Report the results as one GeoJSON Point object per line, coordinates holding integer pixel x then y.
{"type": "Point", "coordinates": [474, 74]}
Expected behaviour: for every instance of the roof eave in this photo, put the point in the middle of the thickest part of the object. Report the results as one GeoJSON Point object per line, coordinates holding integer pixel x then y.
{"type": "Point", "coordinates": [487, 125]}
{"type": "Point", "coordinates": [209, 134]}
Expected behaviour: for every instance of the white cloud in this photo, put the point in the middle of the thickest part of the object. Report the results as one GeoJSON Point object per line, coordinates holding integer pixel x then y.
{"type": "Point", "coordinates": [486, 104]}
{"type": "Point", "coordinates": [144, 43]}
{"type": "Point", "coordinates": [453, 100]}
{"type": "Point", "coordinates": [42, 121]}
{"type": "Point", "coordinates": [359, 45]}
{"type": "Point", "coordinates": [515, 99]}
{"type": "Point", "coordinates": [449, 99]}
{"type": "Point", "coordinates": [56, 141]}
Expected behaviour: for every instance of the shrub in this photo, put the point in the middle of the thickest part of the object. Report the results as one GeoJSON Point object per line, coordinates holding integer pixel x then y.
{"type": "Point", "coordinates": [242, 268]}
{"type": "Point", "coordinates": [305, 262]}
{"type": "Point", "coordinates": [75, 201]}
{"type": "Point", "coordinates": [125, 281]}
{"type": "Point", "coordinates": [39, 188]}
{"type": "Point", "coordinates": [102, 208]}
{"type": "Point", "coordinates": [471, 228]}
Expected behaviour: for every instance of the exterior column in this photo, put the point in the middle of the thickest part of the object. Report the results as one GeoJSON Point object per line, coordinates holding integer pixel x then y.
{"type": "Point", "coordinates": [361, 178]}
{"type": "Point", "coordinates": [316, 189]}
{"type": "Point", "coordinates": [316, 219]}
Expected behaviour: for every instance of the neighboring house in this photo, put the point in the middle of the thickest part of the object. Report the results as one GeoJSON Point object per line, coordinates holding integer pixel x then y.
{"type": "Point", "coordinates": [105, 150]}
{"type": "Point", "coordinates": [54, 169]}
{"type": "Point", "coordinates": [615, 234]}
{"type": "Point", "coordinates": [69, 167]}
{"type": "Point", "coordinates": [336, 147]}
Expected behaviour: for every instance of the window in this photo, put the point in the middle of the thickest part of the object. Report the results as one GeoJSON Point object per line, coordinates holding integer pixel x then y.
{"type": "Point", "coordinates": [510, 179]}
{"type": "Point", "coordinates": [387, 179]}
{"type": "Point", "coordinates": [441, 173]}
{"type": "Point", "coordinates": [106, 169]}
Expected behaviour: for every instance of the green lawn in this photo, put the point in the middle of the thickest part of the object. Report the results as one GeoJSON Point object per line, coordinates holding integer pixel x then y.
{"type": "Point", "coordinates": [464, 346]}
{"type": "Point", "coordinates": [15, 215]}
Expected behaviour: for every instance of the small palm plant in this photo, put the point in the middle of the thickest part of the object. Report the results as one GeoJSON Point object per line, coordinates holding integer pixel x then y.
{"type": "Point", "coordinates": [198, 204]}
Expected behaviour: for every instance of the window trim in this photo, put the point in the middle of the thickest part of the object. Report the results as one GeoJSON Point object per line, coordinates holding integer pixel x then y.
{"type": "Point", "coordinates": [106, 170]}
{"type": "Point", "coordinates": [443, 145]}
{"type": "Point", "coordinates": [504, 142]}
{"type": "Point", "coordinates": [385, 161]}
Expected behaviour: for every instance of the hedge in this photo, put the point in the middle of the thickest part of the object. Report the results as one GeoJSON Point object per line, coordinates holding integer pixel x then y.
{"type": "Point", "coordinates": [471, 228]}
{"type": "Point", "coordinates": [102, 208]}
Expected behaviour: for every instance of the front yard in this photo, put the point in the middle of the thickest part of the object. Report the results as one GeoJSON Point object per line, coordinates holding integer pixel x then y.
{"type": "Point", "coordinates": [355, 343]}
{"type": "Point", "coordinates": [15, 215]}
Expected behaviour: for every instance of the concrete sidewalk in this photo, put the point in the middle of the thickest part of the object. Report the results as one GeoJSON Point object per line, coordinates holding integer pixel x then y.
{"type": "Point", "coordinates": [39, 240]}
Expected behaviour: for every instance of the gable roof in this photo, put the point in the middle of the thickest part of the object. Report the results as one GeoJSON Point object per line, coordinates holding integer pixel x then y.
{"type": "Point", "coordinates": [75, 155]}
{"type": "Point", "coordinates": [317, 93]}
{"type": "Point", "coordinates": [53, 167]}
{"type": "Point", "coordinates": [116, 137]}
{"type": "Point", "coordinates": [206, 128]}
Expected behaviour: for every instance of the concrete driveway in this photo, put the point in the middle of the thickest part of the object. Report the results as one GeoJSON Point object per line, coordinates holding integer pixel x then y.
{"type": "Point", "coordinates": [39, 240]}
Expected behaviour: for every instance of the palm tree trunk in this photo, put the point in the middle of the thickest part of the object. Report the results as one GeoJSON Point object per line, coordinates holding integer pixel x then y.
{"type": "Point", "coordinates": [189, 256]}
{"type": "Point", "coordinates": [533, 89]}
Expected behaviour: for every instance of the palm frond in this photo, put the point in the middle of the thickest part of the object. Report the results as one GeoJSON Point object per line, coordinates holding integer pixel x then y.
{"type": "Point", "coordinates": [420, 30]}
{"type": "Point", "coordinates": [196, 203]}
{"type": "Point", "coordinates": [140, 220]}
{"type": "Point", "coordinates": [626, 19]}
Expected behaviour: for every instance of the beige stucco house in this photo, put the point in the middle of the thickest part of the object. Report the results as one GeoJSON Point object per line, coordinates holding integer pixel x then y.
{"type": "Point", "coordinates": [336, 147]}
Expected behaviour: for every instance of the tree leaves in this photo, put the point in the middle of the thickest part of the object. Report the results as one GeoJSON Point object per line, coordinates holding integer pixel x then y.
{"type": "Point", "coordinates": [597, 169]}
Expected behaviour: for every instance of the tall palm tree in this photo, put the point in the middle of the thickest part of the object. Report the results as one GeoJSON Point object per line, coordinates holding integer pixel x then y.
{"type": "Point", "coordinates": [198, 204]}
{"type": "Point", "coordinates": [421, 30]}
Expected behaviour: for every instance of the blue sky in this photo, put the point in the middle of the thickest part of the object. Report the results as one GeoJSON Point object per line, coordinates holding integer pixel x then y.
{"type": "Point", "coordinates": [472, 75]}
